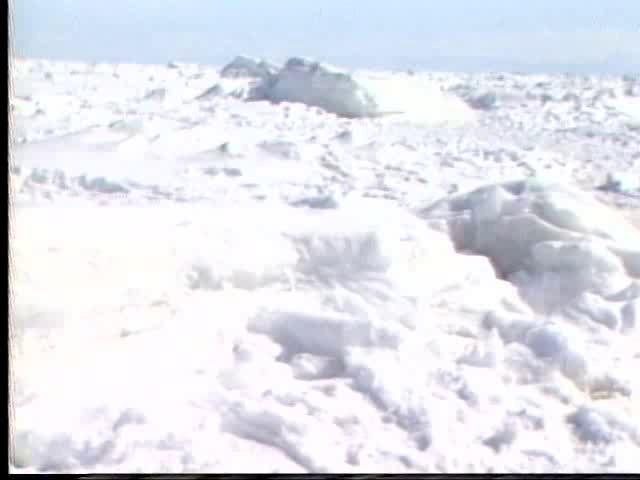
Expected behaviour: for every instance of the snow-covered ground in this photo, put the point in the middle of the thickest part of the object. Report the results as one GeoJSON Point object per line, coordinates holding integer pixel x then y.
{"type": "Point", "coordinates": [202, 283]}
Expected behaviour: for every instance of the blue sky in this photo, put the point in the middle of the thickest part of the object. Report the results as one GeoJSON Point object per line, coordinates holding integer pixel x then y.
{"type": "Point", "coordinates": [551, 35]}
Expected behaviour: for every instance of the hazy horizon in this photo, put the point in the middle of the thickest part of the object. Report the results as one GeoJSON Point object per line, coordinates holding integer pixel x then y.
{"type": "Point", "coordinates": [458, 35]}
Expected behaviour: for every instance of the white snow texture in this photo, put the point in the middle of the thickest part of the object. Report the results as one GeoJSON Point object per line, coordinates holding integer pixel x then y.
{"type": "Point", "coordinates": [300, 269]}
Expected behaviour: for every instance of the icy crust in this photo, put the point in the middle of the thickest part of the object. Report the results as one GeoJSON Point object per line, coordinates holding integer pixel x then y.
{"type": "Point", "coordinates": [573, 260]}
{"type": "Point", "coordinates": [549, 239]}
{"type": "Point", "coordinates": [354, 340]}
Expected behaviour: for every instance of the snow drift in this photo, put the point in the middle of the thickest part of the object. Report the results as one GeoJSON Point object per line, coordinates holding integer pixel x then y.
{"type": "Point", "coordinates": [359, 293]}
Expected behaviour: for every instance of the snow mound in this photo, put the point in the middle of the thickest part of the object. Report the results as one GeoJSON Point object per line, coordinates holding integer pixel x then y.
{"type": "Point", "coordinates": [309, 82]}
{"type": "Point", "coordinates": [262, 335]}
{"type": "Point", "coordinates": [566, 252]}
{"type": "Point", "coordinates": [335, 91]}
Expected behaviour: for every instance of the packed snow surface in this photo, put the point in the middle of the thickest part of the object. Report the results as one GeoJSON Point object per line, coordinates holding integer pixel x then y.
{"type": "Point", "coordinates": [302, 269]}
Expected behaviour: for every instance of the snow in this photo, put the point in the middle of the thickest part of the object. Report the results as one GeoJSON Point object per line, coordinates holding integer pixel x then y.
{"type": "Point", "coordinates": [219, 283]}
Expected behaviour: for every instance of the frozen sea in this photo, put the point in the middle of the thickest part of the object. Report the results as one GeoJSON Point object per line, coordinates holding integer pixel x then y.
{"type": "Point", "coordinates": [201, 283]}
